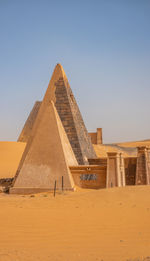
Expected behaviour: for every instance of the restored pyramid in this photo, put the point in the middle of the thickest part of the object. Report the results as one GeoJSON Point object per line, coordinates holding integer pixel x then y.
{"type": "Point", "coordinates": [60, 92]}
{"type": "Point", "coordinates": [47, 156]}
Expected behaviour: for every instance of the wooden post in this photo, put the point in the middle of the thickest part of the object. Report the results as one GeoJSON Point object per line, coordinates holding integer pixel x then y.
{"type": "Point", "coordinates": [62, 183]}
{"type": "Point", "coordinates": [55, 188]}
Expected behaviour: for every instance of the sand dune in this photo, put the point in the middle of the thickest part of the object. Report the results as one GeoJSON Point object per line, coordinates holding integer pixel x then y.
{"type": "Point", "coordinates": [87, 225]}
{"type": "Point", "coordinates": [135, 143]}
{"type": "Point", "coordinates": [10, 155]}
{"type": "Point", "coordinates": [128, 149]}
{"type": "Point", "coordinates": [101, 150]}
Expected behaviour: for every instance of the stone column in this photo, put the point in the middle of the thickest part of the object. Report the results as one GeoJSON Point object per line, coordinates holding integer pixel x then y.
{"type": "Point", "coordinates": [115, 170]}
{"type": "Point", "coordinates": [122, 170]}
{"type": "Point", "coordinates": [143, 166]}
{"type": "Point", "coordinates": [148, 164]}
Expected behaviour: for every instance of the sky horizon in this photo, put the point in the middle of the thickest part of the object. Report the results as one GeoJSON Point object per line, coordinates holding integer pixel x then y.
{"type": "Point", "coordinates": [104, 48]}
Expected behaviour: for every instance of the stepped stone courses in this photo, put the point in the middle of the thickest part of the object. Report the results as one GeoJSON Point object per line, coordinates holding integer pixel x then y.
{"type": "Point", "coordinates": [73, 123]}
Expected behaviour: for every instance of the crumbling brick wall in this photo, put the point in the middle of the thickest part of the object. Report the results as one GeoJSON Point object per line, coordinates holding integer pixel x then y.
{"type": "Point", "coordinates": [72, 121]}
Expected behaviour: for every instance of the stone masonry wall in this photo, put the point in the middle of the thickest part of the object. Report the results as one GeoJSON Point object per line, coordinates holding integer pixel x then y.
{"type": "Point", "coordinates": [130, 170]}
{"type": "Point", "coordinates": [143, 166]}
{"type": "Point", "coordinates": [98, 161]}
{"type": "Point", "coordinates": [79, 173]}
{"type": "Point", "coordinates": [73, 123]}
{"type": "Point", "coordinates": [96, 137]}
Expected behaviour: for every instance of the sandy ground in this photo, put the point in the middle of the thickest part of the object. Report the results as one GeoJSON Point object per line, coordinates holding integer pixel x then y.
{"type": "Point", "coordinates": [10, 155]}
{"type": "Point", "coordinates": [86, 225]}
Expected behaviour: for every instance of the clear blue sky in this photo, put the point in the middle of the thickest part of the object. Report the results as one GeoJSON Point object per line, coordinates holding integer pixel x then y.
{"type": "Point", "coordinates": [104, 47]}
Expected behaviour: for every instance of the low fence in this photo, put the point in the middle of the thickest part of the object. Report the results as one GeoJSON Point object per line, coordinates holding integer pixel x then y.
{"type": "Point", "coordinates": [90, 177]}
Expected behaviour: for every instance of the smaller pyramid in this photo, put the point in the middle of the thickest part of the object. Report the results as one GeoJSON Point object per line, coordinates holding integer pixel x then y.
{"type": "Point", "coordinates": [48, 157]}
{"type": "Point", "coordinates": [28, 126]}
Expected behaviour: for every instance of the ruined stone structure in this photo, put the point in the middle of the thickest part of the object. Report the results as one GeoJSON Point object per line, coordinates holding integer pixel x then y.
{"type": "Point", "coordinates": [96, 137]}
{"type": "Point", "coordinates": [115, 170]}
{"type": "Point", "coordinates": [59, 149]}
{"type": "Point", "coordinates": [56, 139]}
{"type": "Point", "coordinates": [143, 166]}
{"type": "Point", "coordinates": [130, 170]}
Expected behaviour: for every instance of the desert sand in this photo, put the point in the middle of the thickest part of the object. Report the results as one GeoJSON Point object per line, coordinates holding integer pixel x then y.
{"type": "Point", "coordinates": [10, 155]}
{"type": "Point", "coordinates": [101, 150]}
{"type": "Point", "coordinates": [128, 149]}
{"type": "Point", "coordinates": [135, 143]}
{"type": "Point", "coordinates": [86, 225]}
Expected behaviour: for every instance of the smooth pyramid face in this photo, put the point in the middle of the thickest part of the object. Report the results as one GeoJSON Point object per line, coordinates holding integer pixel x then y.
{"type": "Point", "coordinates": [47, 158]}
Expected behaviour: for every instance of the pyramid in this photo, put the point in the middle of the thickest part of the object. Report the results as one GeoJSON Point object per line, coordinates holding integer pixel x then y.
{"type": "Point", "coordinates": [47, 156]}
{"type": "Point", "coordinates": [27, 129]}
{"type": "Point", "coordinates": [60, 93]}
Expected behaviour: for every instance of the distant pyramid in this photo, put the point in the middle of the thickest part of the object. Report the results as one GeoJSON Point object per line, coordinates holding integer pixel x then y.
{"type": "Point", "coordinates": [47, 156]}
{"type": "Point", "coordinates": [27, 129]}
{"type": "Point", "coordinates": [60, 92]}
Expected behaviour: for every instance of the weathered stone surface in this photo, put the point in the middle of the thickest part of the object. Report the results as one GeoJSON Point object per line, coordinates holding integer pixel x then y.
{"type": "Point", "coordinates": [143, 166]}
{"type": "Point", "coordinates": [71, 117]}
{"type": "Point", "coordinates": [130, 170]}
{"type": "Point", "coordinates": [92, 177]}
{"type": "Point", "coordinates": [115, 170]}
{"type": "Point", "coordinates": [60, 92]}
{"type": "Point", "coordinates": [27, 129]}
{"type": "Point", "coordinates": [47, 157]}
{"type": "Point", "coordinates": [5, 183]}
{"type": "Point", "coordinates": [98, 161]}
{"type": "Point", "coordinates": [96, 137]}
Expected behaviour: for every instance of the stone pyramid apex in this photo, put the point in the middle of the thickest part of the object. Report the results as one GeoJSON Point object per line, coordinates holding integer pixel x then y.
{"type": "Point", "coordinates": [60, 93]}
{"type": "Point", "coordinates": [58, 74]}
{"type": "Point", "coordinates": [60, 67]}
